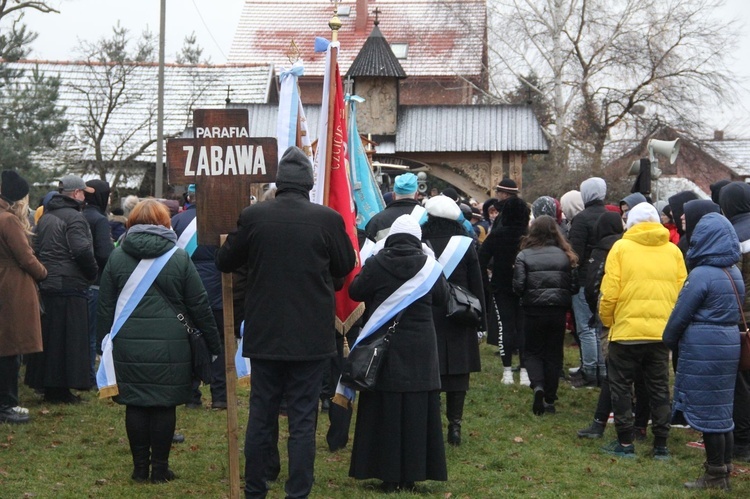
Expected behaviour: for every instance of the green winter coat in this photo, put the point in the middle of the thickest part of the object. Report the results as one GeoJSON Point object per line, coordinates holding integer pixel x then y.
{"type": "Point", "coordinates": [151, 351]}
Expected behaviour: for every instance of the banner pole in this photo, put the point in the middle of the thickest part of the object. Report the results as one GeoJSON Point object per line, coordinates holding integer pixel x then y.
{"type": "Point", "coordinates": [230, 347]}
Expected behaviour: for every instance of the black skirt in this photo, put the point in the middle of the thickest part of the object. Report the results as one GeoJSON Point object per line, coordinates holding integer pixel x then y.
{"type": "Point", "coordinates": [64, 363]}
{"type": "Point", "coordinates": [398, 437]}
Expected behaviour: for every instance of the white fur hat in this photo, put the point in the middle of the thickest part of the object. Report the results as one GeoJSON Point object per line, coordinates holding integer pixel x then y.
{"type": "Point", "coordinates": [442, 207]}
{"type": "Point", "coordinates": [406, 224]}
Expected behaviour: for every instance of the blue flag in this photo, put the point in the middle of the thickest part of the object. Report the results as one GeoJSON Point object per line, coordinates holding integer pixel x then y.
{"type": "Point", "coordinates": [365, 190]}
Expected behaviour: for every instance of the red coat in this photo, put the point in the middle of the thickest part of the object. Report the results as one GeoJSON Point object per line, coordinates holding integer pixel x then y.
{"type": "Point", "coordinates": [674, 236]}
{"type": "Point", "coordinates": [20, 326]}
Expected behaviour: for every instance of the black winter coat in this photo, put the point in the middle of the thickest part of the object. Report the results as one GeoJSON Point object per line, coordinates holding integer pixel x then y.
{"type": "Point", "coordinates": [294, 250]}
{"type": "Point", "coordinates": [412, 361]}
{"type": "Point", "coordinates": [582, 234]}
{"type": "Point", "coordinates": [151, 352]}
{"type": "Point", "coordinates": [63, 244]}
{"type": "Point", "coordinates": [458, 348]}
{"type": "Point", "coordinates": [203, 258]}
{"type": "Point", "coordinates": [501, 248]}
{"type": "Point", "coordinates": [543, 277]}
{"type": "Point", "coordinates": [383, 220]}
{"type": "Point", "coordinates": [101, 233]}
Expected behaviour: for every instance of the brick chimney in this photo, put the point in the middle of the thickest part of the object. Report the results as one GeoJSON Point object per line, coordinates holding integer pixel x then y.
{"type": "Point", "coordinates": [718, 135]}
{"type": "Point", "coordinates": [361, 22]}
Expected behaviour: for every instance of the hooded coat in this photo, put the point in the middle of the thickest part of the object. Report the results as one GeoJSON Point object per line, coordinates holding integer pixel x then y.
{"type": "Point", "coordinates": [501, 245]}
{"type": "Point", "coordinates": [694, 211]}
{"type": "Point", "coordinates": [20, 327]}
{"type": "Point", "coordinates": [582, 234]}
{"type": "Point", "coordinates": [642, 277]}
{"type": "Point", "coordinates": [735, 204]}
{"type": "Point", "coordinates": [95, 213]}
{"type": "Point", "coordinates": [703, 325]}
{"type": "Point", "coordinates": [412, 361]}
{"type": "Point", "coordinates": [676, 204]}
{"type": "Point", "coordinates": [458, 348]}
{"type": "Point", "coordinates": [151, 352]}
{"type": "Point", "coordinates": [609, 230]}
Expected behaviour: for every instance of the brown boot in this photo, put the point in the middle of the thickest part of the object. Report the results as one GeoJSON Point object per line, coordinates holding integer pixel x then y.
{"type": "Point", "coordinates": [715, 477]}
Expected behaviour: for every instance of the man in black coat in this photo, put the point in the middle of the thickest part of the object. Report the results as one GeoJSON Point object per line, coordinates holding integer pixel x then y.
{"type": "Point", "coordinates": [95, 212]}
{"type": "Point", "coordinates": [404, 203]}
{"type": "Point", "coordinates": [294, 250]}
{"type": "Point", "coordinates": [64, 245]}
{"type": "Point", "coordinates": [582, 237]}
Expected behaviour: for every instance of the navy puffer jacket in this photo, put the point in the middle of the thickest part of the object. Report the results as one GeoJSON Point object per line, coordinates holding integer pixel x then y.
{"type": "Point", "coordinates": [704, 326]}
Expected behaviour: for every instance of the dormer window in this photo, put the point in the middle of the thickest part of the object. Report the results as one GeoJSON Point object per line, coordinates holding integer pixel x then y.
{"type": "Point", "coordinates": [400, 50]}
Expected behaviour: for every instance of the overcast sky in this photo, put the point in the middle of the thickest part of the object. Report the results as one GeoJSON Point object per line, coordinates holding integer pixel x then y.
{"type": "Point", "coordinates": [215, 21]}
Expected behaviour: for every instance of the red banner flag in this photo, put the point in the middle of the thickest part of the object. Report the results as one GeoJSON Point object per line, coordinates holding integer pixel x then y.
{"type": "Point", "coordinates": [340, 199]}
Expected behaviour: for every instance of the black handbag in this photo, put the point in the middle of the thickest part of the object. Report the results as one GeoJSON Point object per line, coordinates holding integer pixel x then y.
{"type": "Point", "coordinates": [463, 307]}
{"type": "Point", "coordinates": [362, 365]}
{"type": "Point", "coordinates": [198, 346]}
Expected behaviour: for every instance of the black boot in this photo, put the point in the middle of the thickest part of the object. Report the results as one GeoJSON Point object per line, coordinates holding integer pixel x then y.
{"type": "Point", "coordinates": [162, 430]}
{"type": "Point", "coordinates": [139, 438]}
{"type": "Point", "coordinates": [715, 477]}
{"type": "Point", "coordinates": [454, 410]}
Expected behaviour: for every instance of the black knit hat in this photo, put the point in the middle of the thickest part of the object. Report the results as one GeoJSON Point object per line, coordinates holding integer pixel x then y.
{"type": "Point", "coordinates": [507, 185]}
{"type": "Point", "coordinates": [13, 187]}
{"type": "Point", "coordinates": [295, 169]}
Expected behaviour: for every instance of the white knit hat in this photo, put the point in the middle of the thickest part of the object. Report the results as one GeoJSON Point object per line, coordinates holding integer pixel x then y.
{"type": "Point", "coordinates": [642, 212]}
{"type": "Point", "coordinates": [407, 224]}
{"type": "Point", "coordinates": [442, 207]}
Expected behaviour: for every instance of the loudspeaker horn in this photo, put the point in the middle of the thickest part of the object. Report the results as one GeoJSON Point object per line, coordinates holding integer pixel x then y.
{"type": "Point", "coordinates": [635, 168]}
{"type": "Point", "coordinates": [670, 149]}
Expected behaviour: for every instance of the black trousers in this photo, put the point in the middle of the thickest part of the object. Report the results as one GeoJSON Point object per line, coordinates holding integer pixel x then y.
{"type": "Point", "coordinates": [300, 382]}
{"type": "Point", "coordinates": [511, 335]}
{"type": "Point", "coordinates": [219, 386]}
{"type": "Point", "coordinates": [625, 361]}
{"type": "Point", "coordinates": [642, 410]}
{"type": "Point", "coordinates": [718, 448]}
{"type": "Point", "coordinates": [9, 366]}
{"type": "Point", "coordinates": [741, 414]}
{"type": "Point", "coordinates": [545, 335]}
{"type": "Point", "coordinates": [150, 431]}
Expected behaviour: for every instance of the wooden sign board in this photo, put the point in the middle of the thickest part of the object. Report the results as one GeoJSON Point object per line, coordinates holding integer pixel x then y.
{"type": "Point", "coordinates": [223, 161]}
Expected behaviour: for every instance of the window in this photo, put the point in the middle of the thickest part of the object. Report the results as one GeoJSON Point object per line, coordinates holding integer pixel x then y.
{"type": "Point", "coordinates": [400, 50]}
{"type": "Point", "coordinates": [344, 10]}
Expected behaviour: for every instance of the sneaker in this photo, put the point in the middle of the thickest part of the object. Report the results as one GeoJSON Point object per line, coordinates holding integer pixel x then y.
{"type": "Point", "coordinates": [574, 370]}
{"type": "Point", "coordinates": [661, 454]}
{"type": "Point", "coordinates": [524, 378]}
{"type": "Point", "coordinates": [194, 405]}
{"type": "Point", "coordinates": [20, 410]}
{"type": "Point", "coordinates": [219, 404]}
{"type": "Point", "coordinates": [178, 438]}
{"type": "Point", "coordinates": [615, 448]}
{"type": "Point", "coordinates": [11, 416]}
{"type": "Point", "coordinates": [549, 408]}
{"type": "Point", "coordinates": [595, 430]}
{"type": "Point", "coordinates": [507, 377]}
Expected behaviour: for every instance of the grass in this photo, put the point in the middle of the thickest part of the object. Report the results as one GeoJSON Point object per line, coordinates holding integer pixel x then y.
{"type": "Point", "coordinates": [82, 451]}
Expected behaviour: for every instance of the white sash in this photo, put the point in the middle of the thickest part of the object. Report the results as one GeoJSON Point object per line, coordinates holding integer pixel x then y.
{"type": "Point", "coordinates": [453, 253]}
{"type": "Point", "coordinates": [405, 295]}
{"type": "Point", "coordinates": [242, 364]}
{"type": "Point", "coordinates": [367, 250]}
{"type": "Point", "coordinates": [135, 288]}
{"type": "Point", "coordinates": [188, 240]}
{"type": "Point", "coordinates": [419, 213]}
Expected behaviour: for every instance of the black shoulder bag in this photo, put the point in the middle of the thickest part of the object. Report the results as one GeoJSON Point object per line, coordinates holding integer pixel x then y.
{"type": "Point", "coordinates": [198, 346]}
{"type": "Point", "coordinates": [362, 365]}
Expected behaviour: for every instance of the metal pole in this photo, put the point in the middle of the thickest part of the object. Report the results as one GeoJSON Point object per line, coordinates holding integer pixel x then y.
{"type": "Point", "coordinates": [159, 172]}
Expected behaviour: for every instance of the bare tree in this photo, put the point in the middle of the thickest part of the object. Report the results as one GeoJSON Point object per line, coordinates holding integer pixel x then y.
{"type": "Point", "coordinates": [611, 67]}
{"type": "Point", "coordinates": [113, 92]}
{"type": "Point", "coordinates": [17, 6]}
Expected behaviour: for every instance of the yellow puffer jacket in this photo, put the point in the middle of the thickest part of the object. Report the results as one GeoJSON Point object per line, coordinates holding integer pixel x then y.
{"type": "Point", "coordinates": [643, 275]}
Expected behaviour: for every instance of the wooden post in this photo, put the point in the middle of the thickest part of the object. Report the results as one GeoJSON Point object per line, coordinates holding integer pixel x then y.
{"type": "Point", "coordinates": [230, 348]}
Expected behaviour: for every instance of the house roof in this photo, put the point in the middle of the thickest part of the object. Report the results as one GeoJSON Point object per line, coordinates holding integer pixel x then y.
{"type": "Point", "coordinates": [186, 87]}
{"type": "Point", "coordinates": [436, 128]}
{"type": "Point", "coordinates": [376, 59]}
{"type": "Point", "coordinates": [444, 38]}
{"type": "Point", "coordinates": [734, 153]}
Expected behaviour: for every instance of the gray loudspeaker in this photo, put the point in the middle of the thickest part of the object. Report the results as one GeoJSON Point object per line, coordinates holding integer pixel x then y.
{"type": "Point", "coordinates": [670, 149]}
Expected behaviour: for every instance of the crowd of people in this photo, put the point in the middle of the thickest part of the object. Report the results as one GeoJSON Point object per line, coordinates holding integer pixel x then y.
{"type": "Point", "coordinates": [638, 284]}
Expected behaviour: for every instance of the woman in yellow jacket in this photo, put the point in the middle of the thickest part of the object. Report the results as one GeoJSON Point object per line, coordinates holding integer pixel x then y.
{"type": "Point", "coordinates": [642, 278]}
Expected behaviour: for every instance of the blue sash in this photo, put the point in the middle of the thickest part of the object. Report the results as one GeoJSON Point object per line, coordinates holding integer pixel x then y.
{"type": "Point", "coordinates": [405, 295]}
{"type": "Point", "coordinates": [453, 253]}
{"type": "Point", "coordinates": [135, 288]}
